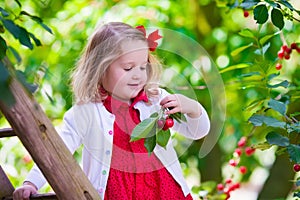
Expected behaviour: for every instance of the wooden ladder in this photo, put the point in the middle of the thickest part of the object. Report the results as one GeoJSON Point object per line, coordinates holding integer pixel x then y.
{"type": "Point", "coordinates": [6, 187]}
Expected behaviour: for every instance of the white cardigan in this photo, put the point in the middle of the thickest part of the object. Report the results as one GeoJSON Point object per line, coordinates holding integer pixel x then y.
{"type": "Point", "coordinates": [92, 125]}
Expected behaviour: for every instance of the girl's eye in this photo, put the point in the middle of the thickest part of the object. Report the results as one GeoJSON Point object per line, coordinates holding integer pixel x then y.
{"type": "Point", "coordinates": [128, 68]}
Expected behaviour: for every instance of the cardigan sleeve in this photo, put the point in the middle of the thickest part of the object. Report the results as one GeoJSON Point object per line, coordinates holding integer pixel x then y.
{"type": "Point", "coordinates": [194, 128]}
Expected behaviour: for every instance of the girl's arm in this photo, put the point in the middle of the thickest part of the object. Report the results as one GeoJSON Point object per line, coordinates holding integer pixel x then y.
{"type": "Point", "coordinates": [197, 125]}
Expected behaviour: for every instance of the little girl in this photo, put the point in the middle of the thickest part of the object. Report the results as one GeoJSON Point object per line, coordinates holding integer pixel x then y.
{"type": "Point", "coordinates": [113, 87]}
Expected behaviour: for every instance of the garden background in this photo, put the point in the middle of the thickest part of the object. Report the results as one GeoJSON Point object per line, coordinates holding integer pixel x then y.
{"type": "Point", "coordinates": [248, 48]}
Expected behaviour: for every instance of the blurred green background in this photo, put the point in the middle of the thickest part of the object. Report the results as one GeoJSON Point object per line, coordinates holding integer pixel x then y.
{"type": "Point", "coordinates": [214, 26]}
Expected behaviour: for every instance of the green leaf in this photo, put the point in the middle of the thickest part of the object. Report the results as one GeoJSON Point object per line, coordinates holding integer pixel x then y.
{"type": "Point", "coordinates": [272, 3]}
{"type": "Point", "coordinates": [163, 137]}
{"type": "Point", "coordinates": [256, 120]}
{"type": "Point", "coordinates": [278, 106]}
{"type": "Point", "coordinates": [4, 12]}
{"type": "Point", "coordinates": [36, 41]}
{"type": "Point", "coordinates": [38, 20]}
{"type": "Point", "coordinates": [179, 117]}
{"type": "Point", "coordinates": [259, 120]}
{"type": "Point", "coordinates": [293, 127]}
{"type": "Point", "coordinates": [22, 78]}
{"type": "Point", "coordinates": [15, 53]}
{"type": "Point", "coordinates": [234, 67]}
{"type": "Point", "coordinates": [277, 18]}
{"type": "Point", "coordinates": [277, 139]}
{"type": "Point", "coordinates": [266, 47]}
{"type": "Point", "coordinates": [3, 48]}
{"type": "Point", "coordinates": [271, 76]}
{"type": "Point", "coordinates": [287, 4]}
{"type": "Point", "coordinates": [18, 2]}
{"type": "Point", "coordinates": [240, 49]}
{"type": "Point", "coordinates": [261, 14]}
{"type": "Point", "coordinates": [247, 33]}
{"type": "Point", "coordinates": [24, 38]}
{"type": "Point", "coordinates": [143, 129]}
{"type": "Point", "coordinates": [208, 185]}
{"type": "Point", "coordinates": [11, 27]}
{"type": "Point", "coordinates": [294, 152]}
{"type": "Point", "coordinates": [5, 95]}
{"type": "Point", "coordinates": [284, 84]}
{"type": "Point", "coordinates": [264, 39]}
{"type": "Point", "coordinates": [150, 143]}
{"type": "Point", "coordinates": [250, 74]}
{"type": "Point", "coordinates": [248, 4]}
{"type": "Point", "coordinates": [4, 74]}
{"type": "Point", "coordinates": [270, 121]}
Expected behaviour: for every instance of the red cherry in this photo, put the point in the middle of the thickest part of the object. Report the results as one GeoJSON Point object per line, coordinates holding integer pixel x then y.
{"type": "Point", "coordinates": [249, 151]}
{"type": "Point", "coordinates": [160, 123]}
{"type": "Point", "coordinates": [298, 49]}
{"type": "Point", "coordinates": [287, 56]}
{"type": "Point", "coordinates": [294, 45]}
{"type": "Point", "coordinates": [220, 187]}
{"type": "Point", "coordinates": [238, 152]}
{"type": "Point", "coordinates": [233, 162]}
{"type": "Point", "coordinates": [280, 54]}
{"type": "Point", "coordinates": [228, 181]}
{"type": "Point", "coordinates": [236, 186]}
{"type": "Point", "coordinates": [284, 47]}
{"type": "Point", "coordinates": [169, 122]}
{"type": "Point", "coordinates": [296, 167]}
{"type": "Point", "coordinates": [242, 142]}
{"type": "Point", "coordinates": [243, 169]}
{"type": "Point", "coordinates": [278, 66]}
{"type": "Point", "coordinates": [288, 50]}
{"type": "Point", "coordinates": [246, 13]}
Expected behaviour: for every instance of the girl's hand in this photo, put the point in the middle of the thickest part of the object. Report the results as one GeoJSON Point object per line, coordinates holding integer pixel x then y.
{"type": "Point", "coordinates": [24, 192]}
{"type": "Point", "coordinates": [180, 103]}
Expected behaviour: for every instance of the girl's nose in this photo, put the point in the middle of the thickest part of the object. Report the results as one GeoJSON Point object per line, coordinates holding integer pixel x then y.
{"type": "Point", "coordinates": [135, 76]}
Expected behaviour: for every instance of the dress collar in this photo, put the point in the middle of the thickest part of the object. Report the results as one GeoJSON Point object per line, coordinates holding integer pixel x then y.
{"type": "Point", "coordinates": [112, 104]}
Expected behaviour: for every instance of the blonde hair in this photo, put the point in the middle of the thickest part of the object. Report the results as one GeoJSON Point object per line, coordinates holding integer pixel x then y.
{"type": "Point", "coordinates": [102, 50]}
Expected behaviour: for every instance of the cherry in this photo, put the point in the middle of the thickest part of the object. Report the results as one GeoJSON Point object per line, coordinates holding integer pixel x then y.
{"type": "Point", "coordinates": [284, 47]}
{"type": "Point", "coordinates": [220, 187]}
{"type": "Point", "coordinates": [243, 169]}
{"type": "Point", "coordinates": [246, 13]}
{"type": "Point", "coordinates": [294, 45]}
{"type": "Point", "coordinates": [287, 56]}
{"type": "Point", "coordinates": [242, 142]}
{"type": "Point", "coordinates": [296, 167]}
{"type": "Point", "coordinates": [278, 66]}
{"type": "Point", "coordinates": [249, 150]}
{"type": "Point", "coordinates": [228, 181]}
{"type": "Point", "coordinates": [168, 124]}
{"type": "Point", "coordinates": [160, 123]}
{"type": "Point", "coordinates": [280, 54]}
{"type": "Point", "coordinates": [288, 50]}
{"type": "Point", "coordinates": [238, 152]}
{"type": "Point", "coordinates": [233, 162]}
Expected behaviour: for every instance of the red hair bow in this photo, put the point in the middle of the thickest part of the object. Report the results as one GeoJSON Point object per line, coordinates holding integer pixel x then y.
{"type": "Point", "coordinates": [152, 37]}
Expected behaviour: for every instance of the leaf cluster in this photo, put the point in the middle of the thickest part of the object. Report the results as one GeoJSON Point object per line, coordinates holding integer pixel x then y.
{"type": "Point", "coordinates": [152, 132]}
{"type": "Point", "coordinates": [10, 25]}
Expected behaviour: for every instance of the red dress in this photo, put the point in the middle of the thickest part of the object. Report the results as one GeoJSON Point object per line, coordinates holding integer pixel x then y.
{"type": "Point", "coordinates": [134, 175]}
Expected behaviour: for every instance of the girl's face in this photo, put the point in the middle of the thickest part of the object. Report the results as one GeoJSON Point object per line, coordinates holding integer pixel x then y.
{"type": "Point", "coordinates": [127, 75]}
